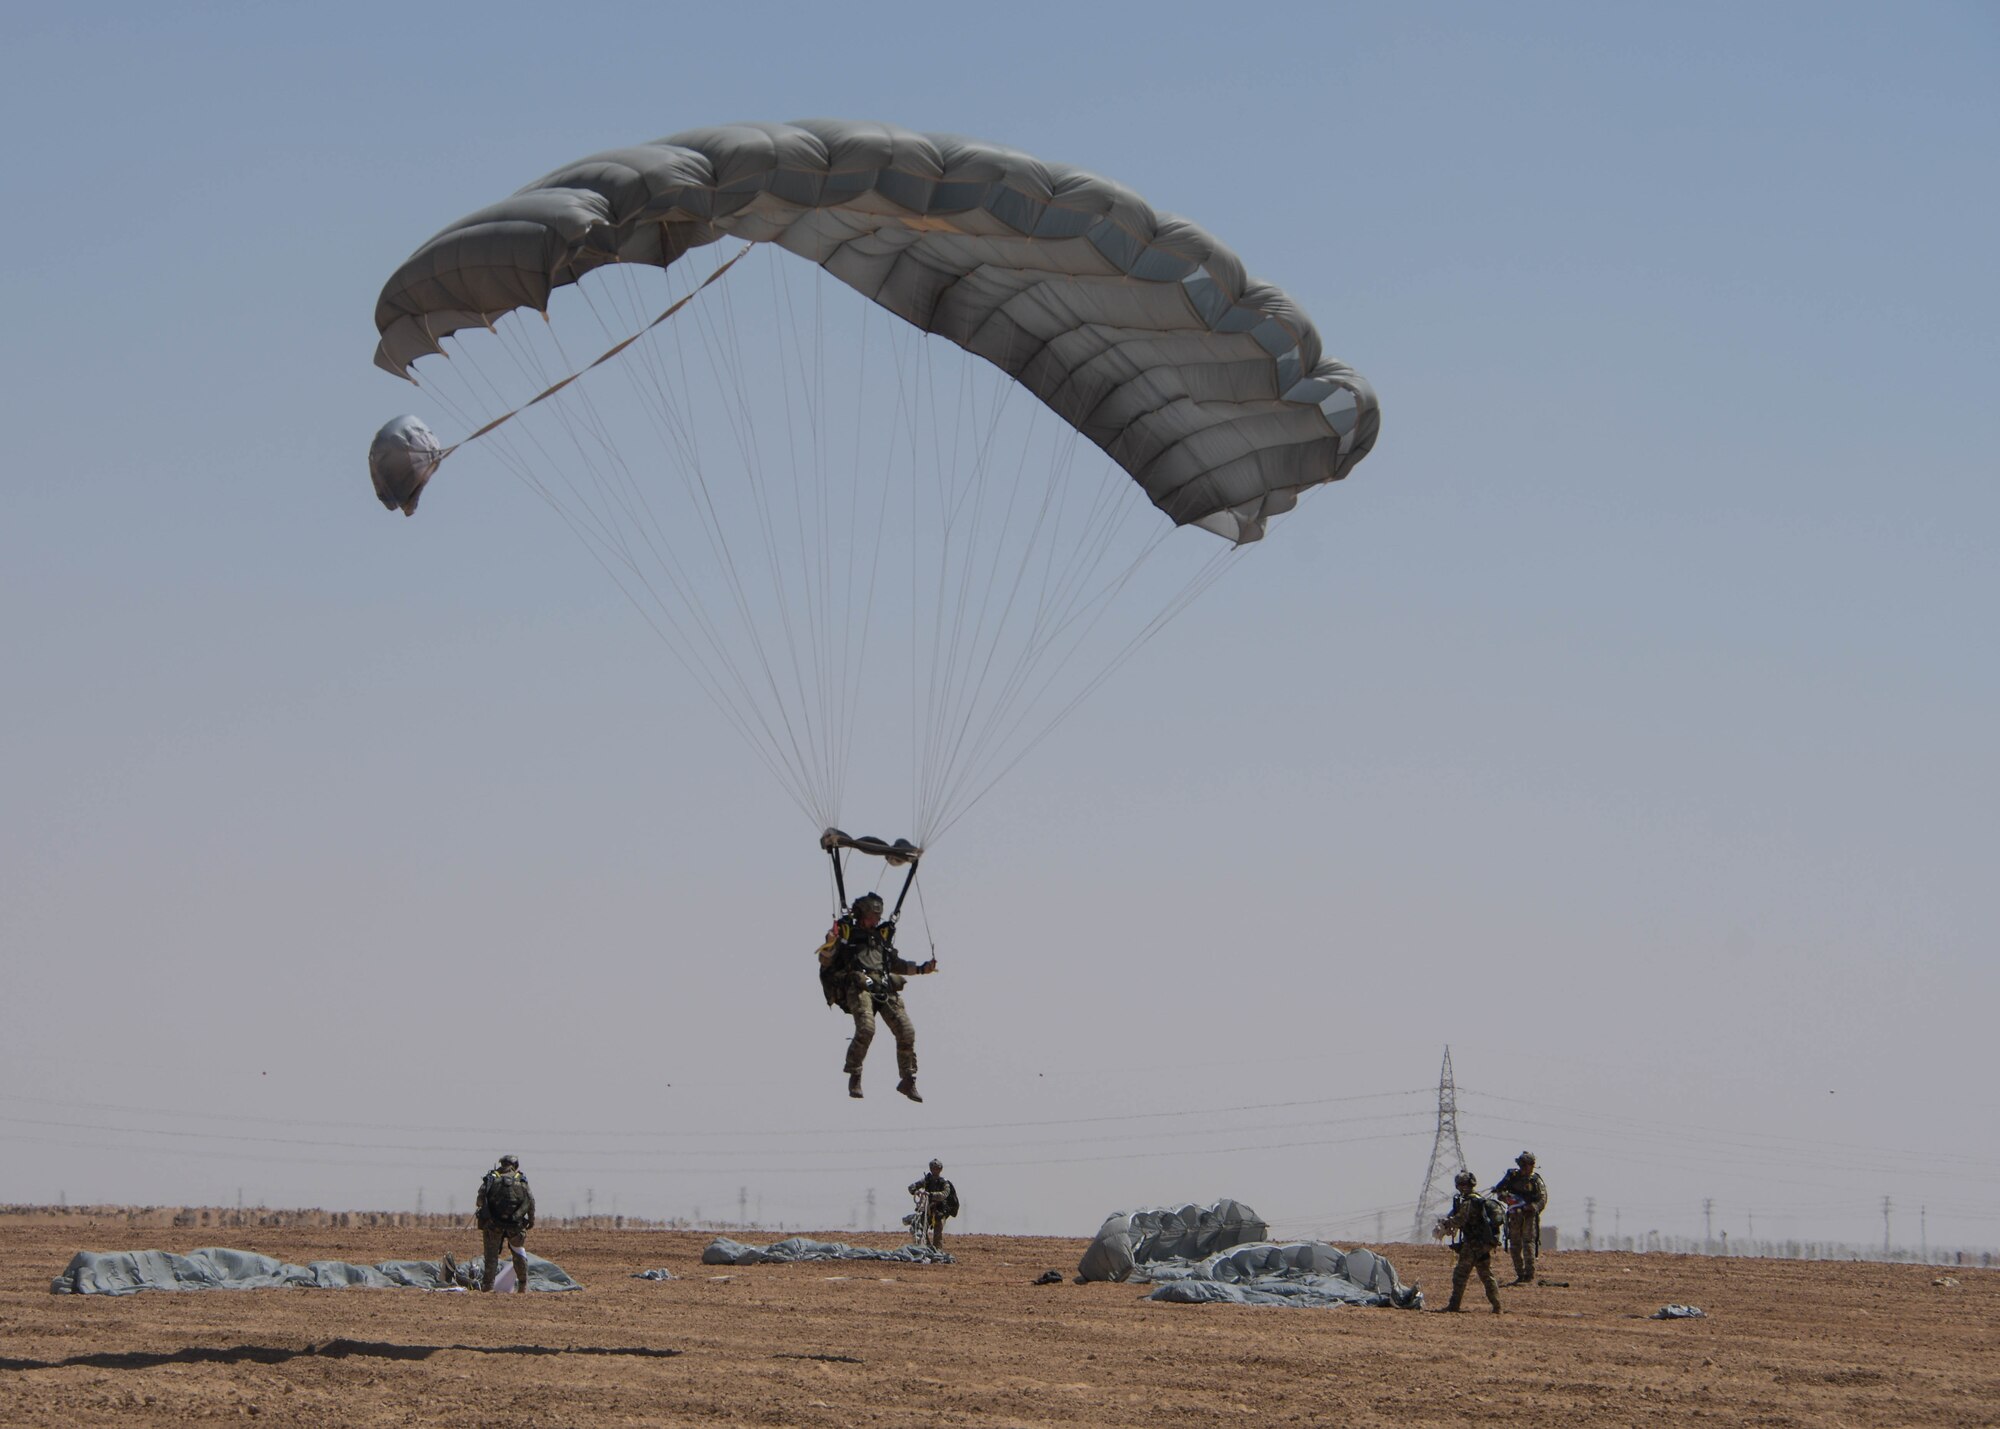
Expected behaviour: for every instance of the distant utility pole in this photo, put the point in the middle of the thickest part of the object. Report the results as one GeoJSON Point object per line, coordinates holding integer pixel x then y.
{"type": "Point", "coordinates": [420, 1200]}
{"type": "Point", "coordinates": [1447, 1156]}
{"type": "Point", "coordinates": [1885, 1227]}
{"type": "Point", "coordinates": [1708, 1225]}
{"type": "Point", "coordinates": [742, 1205]}
{"type": "Point", "coordinates": [871, 1208]}
{"type": "Point", "coordinates": [589, 1201]}
{"type": "Point", "coordinates": [1380, 1228]}
{"type": "Point", "coordinates": [1618, 1224]}
{"type": "Point", "coordinates": [1753, 1224]}
{"type": "Point", "coordinates": [1589, 1221]}
{"type": "Point", "coordinates": [1924, 1232]}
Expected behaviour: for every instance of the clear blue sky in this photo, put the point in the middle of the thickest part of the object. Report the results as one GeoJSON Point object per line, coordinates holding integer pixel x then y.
{"type": "Point", "coordinates": [1626, 721]}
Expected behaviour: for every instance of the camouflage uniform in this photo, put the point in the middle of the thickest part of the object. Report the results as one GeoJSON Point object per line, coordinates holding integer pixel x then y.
{"type": "Point", "coordinates": [511, 1232]}
{"type": "Point", "coordinates": [1524, 1221]}
{"type": "Point", "coordinates": [942, 1194]}
{"type": "Point", "coordinates": [1473, 1254]}
{"type": "Point", "coordinates": [859, 959]}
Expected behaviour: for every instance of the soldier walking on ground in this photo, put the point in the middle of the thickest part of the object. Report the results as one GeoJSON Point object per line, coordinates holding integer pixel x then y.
{"type": "Point", "coordinates": [863, 975]}
{"type": "Point", "coordinates": [505, 1211]}
{"type": "Point", "coordinates": [1525, 1195]}
{"type": "Point", "coordinates": [939, 1205]}
{"type": "Point", "coordinates": [1475, 1221]}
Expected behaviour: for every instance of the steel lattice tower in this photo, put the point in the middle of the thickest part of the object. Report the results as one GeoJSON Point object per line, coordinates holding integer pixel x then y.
{"type": "Point", "coordinates": [1447, 1156]}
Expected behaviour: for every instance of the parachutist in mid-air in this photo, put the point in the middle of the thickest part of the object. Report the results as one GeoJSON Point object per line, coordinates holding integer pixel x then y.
{"type": "Point", "coordinates": [862, 975]}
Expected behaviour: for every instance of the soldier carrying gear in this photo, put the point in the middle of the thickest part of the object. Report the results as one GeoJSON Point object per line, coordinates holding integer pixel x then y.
{"type": "Point", "coordinates": [505, 1211]}
{"type": "Point", "coordinates": [1525, 1195]}
{"type": "Point", "coordinates": [937, 1202]}
{"type": "Point", "coordinates": [1475, 1221]}
{"type": "Point", "coordinates": [862, 975]}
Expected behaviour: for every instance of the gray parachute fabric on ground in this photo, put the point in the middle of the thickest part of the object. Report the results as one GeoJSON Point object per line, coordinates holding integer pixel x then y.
{"type": "Point", "coordinates": [131, 1271]}
{"type": "Point", "coordinates": [1297, 1273]}
{"type": "Point", "coordinates": [1140, 330]}
{"type": "Point", "coordinates": [724, 1251]}
{"type": "Point", "coordinates": [1128, 1239]}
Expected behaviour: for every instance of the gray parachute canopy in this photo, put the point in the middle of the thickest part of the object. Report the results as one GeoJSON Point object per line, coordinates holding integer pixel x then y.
{"type": "Point", "coordinates": [1140, 330]}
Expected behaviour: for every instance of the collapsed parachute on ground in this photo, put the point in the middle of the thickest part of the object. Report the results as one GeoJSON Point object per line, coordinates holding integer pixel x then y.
{"type": "Point", "coordinates": [724, 1251]}
{"type": "Point", "coordinates": [1139, 329]}
{"type": "Point", "coordinates": [1295, 1273]}
{"type": "Point", "coordinates": [1222, 1253]}
{"type": "Point", "coordinates": [1130, 1239]}
{"type": "Point", "coordinates": [131, 1271]}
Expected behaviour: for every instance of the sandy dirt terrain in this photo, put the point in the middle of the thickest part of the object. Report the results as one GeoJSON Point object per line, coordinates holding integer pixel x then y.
{"type": "Point", "coordinates": [975, 1343]}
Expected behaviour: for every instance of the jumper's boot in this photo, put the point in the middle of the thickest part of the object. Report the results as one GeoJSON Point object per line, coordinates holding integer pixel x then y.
{"type": "Point", "coordinates": [1494, 1296]}
{"type": "Point", "coordinates": [908, 1087]}
{"type": "Point", "coordinates": [448, 1270]}
{"type": "Point", "coordinates": [854, 1084]}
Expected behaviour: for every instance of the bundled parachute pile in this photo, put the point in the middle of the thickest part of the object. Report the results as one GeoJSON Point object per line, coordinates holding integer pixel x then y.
{"type": "Point", "coordinates": [1130, 1239]}
{"type": "Point", "coordinates": [724, 1251]}
{"type": "Point", "coordinates": [128, 1272]}
{"type": "Point", "coordinates": [1220, 1253]}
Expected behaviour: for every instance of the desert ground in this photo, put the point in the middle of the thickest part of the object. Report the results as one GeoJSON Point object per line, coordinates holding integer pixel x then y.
{"type": "Point", "coordinates": [976, 1343]}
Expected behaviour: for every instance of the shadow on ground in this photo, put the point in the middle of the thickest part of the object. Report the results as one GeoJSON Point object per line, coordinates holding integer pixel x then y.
{"type": "Point", "coordinates": [332, 1349]}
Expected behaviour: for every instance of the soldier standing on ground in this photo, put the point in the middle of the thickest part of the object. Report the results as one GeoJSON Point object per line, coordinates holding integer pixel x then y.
{"type": "Point", "coordinates": [942, 1202]}
{"type": "Point", "coordinates": [505, 1211]}
{"type": "Point", "coordinates": [862, 975]}
{"type": "Point", "coordinates": [1526, 1196]}
{"type": "Point", "coordinates": [1475, 1220]}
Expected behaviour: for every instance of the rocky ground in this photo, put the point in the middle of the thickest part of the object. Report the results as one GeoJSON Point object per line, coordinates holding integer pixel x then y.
{"type": "Point", "coordinates": [977, 1343]}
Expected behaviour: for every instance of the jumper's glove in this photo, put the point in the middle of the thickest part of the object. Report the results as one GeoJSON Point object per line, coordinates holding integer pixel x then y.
{"type": "Point", "coordinates": [929, 967]}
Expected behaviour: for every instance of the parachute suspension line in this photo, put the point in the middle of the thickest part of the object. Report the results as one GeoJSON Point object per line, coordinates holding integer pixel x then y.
{"type": "Point", "coordinates": [1017, 558]}
{"type": "Point", "coordinates": [923, 912]}
{"type": "Point", "coordinates": [551, 391]}
{"type": "Point", "coordinates": [812, 553]}
{"type": "Point", "coordinates": [761, 487]}
{"type": "Point", "coordinates": [721, 340]}
{"type": "Point", "coordinates": [939, 737]}
{"type": "Point", "coordinates": [604, 538]}
{"type": "Point", "coordinates": [1210, 572]}
{"type": "Point", "coordinates": [701, 498]}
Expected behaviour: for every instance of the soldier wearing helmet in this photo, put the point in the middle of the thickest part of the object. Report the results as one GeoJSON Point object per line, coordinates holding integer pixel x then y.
{"type": "Point", "coordinates": [1475, 1223]}
{"type": "Point", "coordinates": [505, 1212]}
{"type": "Point", "coordinates": [862, 975]}
{"type": "Point", "coordinates": [1525, 1195]}
{"type": "Point", "coordinates": [937, 1202]}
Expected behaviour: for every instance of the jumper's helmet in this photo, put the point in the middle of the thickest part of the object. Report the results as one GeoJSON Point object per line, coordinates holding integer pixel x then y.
{"type": "Point", "coordinates": [936, 1165]}
{"type": "Point", "coordinates": [868, 902]}
{"type": "Point", "coordinates": [509, 1163]}
{"type": "Point", "coordinates": [1464, 1179]}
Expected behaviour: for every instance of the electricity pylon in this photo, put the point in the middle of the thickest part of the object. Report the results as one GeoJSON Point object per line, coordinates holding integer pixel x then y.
{"type": "Point", "coordinates": [1447, 1156]}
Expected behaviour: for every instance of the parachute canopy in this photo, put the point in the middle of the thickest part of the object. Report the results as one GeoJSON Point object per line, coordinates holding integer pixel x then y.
{"type": "Point", "coordinates": [1140, 330]}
